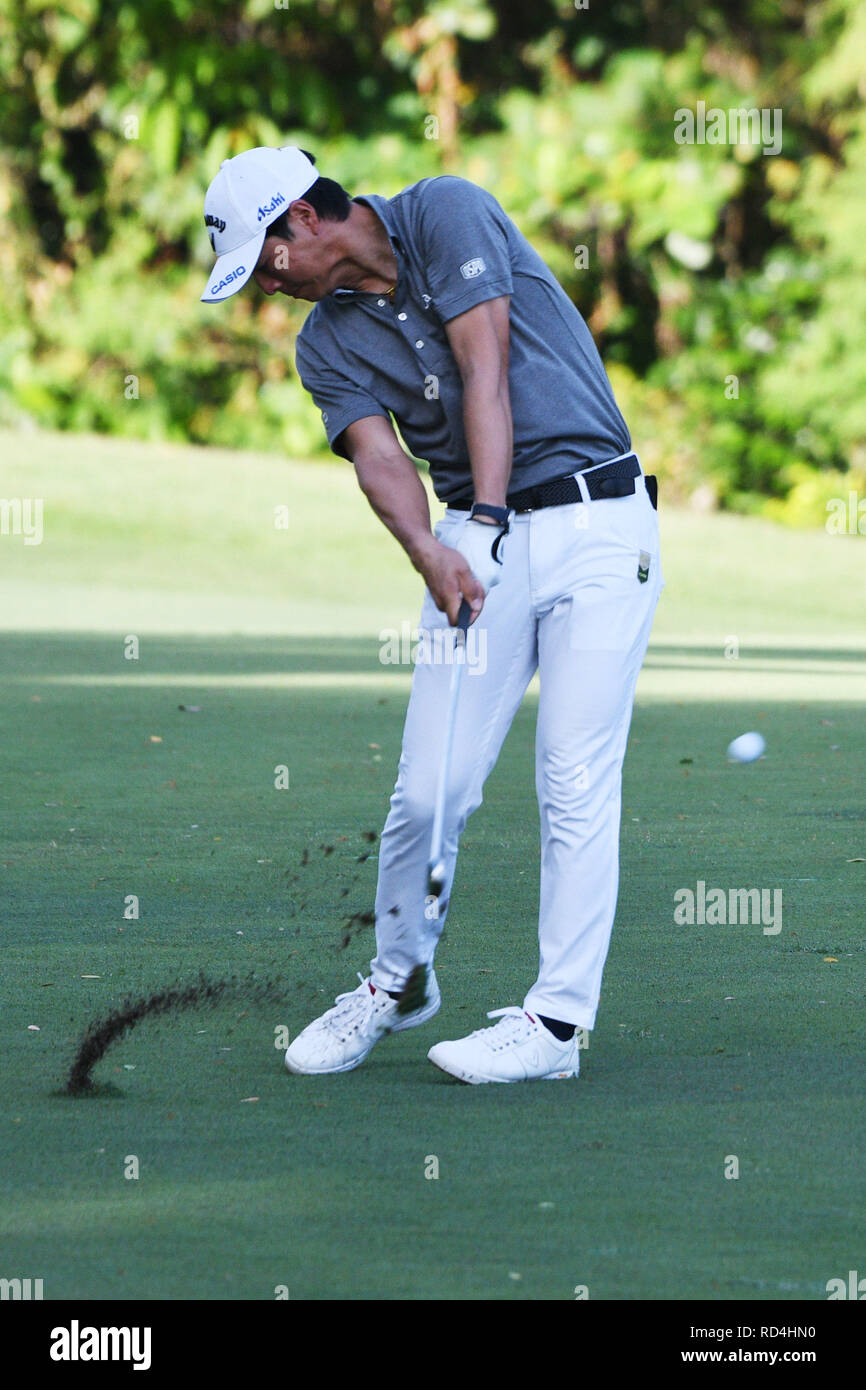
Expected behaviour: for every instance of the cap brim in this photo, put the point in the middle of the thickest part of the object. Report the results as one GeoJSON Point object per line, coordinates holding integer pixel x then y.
{"type": "Point", "coordinates": [232, 270]}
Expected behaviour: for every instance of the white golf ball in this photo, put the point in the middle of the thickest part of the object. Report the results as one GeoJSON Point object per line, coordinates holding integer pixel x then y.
{"type": "Point", "coordinates": [746, 748]}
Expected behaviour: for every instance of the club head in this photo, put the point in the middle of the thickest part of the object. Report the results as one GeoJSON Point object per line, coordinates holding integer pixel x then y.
{"type": "Point", "coordinates": [436, 879]}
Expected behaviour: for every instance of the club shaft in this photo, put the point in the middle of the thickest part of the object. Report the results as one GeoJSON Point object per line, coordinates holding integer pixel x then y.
{"type": "Point", "coordinates": [445, 764]}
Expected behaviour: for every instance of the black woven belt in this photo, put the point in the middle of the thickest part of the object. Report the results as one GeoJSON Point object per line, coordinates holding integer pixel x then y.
{"type": "Point", "coordinates": [615, 479]}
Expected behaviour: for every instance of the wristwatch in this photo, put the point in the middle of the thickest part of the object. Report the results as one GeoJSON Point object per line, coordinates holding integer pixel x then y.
{"type": "Point", "coordinates": [502, 515]}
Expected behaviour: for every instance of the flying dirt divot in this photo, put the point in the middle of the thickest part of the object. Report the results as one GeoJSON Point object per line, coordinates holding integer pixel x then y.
{"type": "Point", "coordinates": [99, 1036]}
{"type": "Point", "coordinates": [102, 1033]}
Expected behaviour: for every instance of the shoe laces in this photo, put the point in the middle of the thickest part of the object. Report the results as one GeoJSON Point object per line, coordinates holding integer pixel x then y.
{"type": "Point", "coordinates": [513, 1026]}
{"type": "Point", "coordinates": [352, 1011]}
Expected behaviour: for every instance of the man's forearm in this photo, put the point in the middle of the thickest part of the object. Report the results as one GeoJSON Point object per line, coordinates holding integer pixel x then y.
{"type": "Point", "coordinates": [489, 435]}
{"type": "Point", "coordinates": [391, 484]}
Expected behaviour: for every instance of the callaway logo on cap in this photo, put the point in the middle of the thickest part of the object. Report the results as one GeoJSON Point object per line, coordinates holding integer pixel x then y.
{"type": "Point", "coordinates": [249, 192]}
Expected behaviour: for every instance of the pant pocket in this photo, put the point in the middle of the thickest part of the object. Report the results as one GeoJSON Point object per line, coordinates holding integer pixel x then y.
{"type": "Point", "coordinates": [610, 609]}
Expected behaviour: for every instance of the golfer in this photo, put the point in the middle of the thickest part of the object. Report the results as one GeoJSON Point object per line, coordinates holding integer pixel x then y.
{"type": "Point", "coordinates": [434, 313]}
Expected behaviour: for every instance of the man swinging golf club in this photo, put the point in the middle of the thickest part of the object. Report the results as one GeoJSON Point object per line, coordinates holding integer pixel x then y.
{"type": "Point", "coordinates": [433, 310]}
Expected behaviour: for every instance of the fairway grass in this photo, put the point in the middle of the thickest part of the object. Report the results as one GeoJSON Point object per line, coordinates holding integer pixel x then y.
{"type": "Point", "coordinates": [714, 1042]}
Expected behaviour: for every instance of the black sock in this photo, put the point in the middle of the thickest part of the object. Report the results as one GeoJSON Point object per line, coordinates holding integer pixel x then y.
{"type": "Point", "coordinates": [560, 1030]}
{"type": "Point", "coordinates": [391, 995]}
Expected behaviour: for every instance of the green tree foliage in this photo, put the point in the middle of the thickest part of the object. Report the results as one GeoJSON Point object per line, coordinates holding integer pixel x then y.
{"type": "Point", "coordinates": [725, 286]}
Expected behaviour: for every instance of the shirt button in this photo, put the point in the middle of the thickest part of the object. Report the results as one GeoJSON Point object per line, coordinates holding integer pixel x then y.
{"type": "Point", "coordinates": [401, 316]}
{"type": "Point", "coordinates": [419, 343]}
{"type": "Point", "coordinates": [381, 303]}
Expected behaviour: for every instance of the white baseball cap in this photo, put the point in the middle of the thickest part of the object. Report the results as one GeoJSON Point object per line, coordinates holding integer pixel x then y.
{"type": "Point", "coordinates": [249, 192]}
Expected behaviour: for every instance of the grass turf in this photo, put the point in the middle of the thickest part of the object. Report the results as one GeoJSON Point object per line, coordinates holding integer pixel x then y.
{"type": "Point", "coordinates": [712, 1041]}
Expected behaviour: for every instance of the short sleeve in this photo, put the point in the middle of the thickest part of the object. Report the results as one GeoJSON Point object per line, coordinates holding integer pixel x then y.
{"type": "Point", "coordinates": [464, 245]}
{"type": "Point", "coordinates": [340, 400]}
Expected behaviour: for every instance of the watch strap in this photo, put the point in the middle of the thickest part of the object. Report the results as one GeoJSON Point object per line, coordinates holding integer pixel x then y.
{"type": "Point", "coordinates": [501, 514]}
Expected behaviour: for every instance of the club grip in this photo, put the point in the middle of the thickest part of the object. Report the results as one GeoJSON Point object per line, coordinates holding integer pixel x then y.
{"type": "Point", "coordinates": [463, 616]}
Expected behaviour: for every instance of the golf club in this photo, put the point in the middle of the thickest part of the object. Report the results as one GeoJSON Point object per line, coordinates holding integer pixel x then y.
{"type": "Point", "coordinates": [436, 867]}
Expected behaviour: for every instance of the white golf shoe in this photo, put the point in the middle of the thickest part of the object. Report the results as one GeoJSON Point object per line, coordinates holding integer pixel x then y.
{"type": "Point", "coordinates": [517, 1048]}
{"type": "Point", "coordinates": [342, 1037]}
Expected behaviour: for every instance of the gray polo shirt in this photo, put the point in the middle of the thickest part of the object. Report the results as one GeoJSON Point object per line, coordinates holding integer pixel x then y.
{"type": "Point", "coordinates": [359, 354]}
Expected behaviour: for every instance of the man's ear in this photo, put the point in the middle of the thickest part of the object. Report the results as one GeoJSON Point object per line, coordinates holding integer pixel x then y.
{"type": "Point", "coordinates": [304, 213]}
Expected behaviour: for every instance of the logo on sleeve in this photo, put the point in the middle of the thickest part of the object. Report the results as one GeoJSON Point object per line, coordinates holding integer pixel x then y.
{"type": "Point", "coordinates": [470, 269]}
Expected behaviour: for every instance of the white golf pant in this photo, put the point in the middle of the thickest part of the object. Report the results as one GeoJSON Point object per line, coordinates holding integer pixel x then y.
{"type": "Point", "coordinates": [572, 605]}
